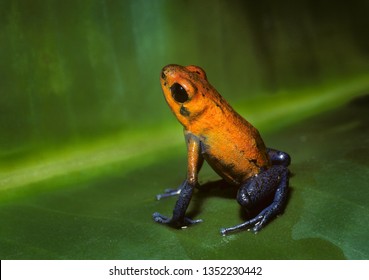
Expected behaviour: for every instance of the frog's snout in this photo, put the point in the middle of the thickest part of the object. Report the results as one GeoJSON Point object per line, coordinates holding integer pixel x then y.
{"type": "Point", "coordinates": [169, 70]}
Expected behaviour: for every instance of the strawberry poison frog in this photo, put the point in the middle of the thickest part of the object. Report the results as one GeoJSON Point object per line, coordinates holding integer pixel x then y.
{"type": "Point", "coordinates": [215, 132]}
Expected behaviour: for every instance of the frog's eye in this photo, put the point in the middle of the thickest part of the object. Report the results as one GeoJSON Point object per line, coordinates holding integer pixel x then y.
{"type": "Point", "coordinates": [179, 93]}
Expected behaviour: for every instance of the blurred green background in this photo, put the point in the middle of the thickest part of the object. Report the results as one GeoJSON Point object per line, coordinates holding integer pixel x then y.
{"type": "Point", "coordinates": [87, 140]}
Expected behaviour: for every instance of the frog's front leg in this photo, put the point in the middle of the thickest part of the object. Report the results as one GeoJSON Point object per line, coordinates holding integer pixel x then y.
{"type": "Point", "coordinates": [271, 181]}
{"type": "Point", "coordinates": [185, 191]}
{"type": "Point", "coordinates": [179, 219]}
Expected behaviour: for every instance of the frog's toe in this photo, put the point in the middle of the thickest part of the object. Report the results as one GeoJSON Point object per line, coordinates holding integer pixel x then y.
{"type": "Point", "coordinates": [244, 225]}
{"type": "Point", "coordinates": [183, 223]}
{"type": "Point", "coordinates": [159, 218]}
{"type": "Point", "coordinates": [168, 193]}
{"type": "Point", "coordinates": [188, 221]}
{"type": "Point", "coordinates": [223, 231]}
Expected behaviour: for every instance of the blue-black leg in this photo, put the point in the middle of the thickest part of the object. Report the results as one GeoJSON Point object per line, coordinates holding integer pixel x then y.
{"type": "Point", "coordinates": [178, 219]}
{"type": "Point", "coordinates": [271, 181]}
{"type": "Point", "coordinates": [279, 157]}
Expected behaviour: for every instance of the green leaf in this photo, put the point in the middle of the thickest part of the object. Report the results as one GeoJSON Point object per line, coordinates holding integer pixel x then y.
{"type": "Point", "coordinates": [109, 217]}
{"type": "Point", "coordinates": [82, 155]}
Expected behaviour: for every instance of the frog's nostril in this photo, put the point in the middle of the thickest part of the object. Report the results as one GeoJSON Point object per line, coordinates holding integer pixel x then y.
{"type": "Point", "coordinates": [163, 75]}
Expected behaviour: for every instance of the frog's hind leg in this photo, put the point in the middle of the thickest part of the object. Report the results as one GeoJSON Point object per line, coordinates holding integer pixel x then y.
{"type": "Point", "coordinates": [271, 181]}
{"type": "Point", "coordinates": [278, 157]}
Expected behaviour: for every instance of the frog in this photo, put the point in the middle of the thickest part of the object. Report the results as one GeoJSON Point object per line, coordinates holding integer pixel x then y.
{"type": "Point", "coordinates": [214, 132]}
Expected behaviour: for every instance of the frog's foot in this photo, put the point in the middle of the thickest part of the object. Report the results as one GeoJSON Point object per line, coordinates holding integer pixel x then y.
{"type": "Point", "coordinates": [256, 189]}
{"type": "Point", "coordinates": [168, 193]}
{"type": "Point", "coordinates": [258, 222]}
{"type": "Point", "coordinates": [159, 218]}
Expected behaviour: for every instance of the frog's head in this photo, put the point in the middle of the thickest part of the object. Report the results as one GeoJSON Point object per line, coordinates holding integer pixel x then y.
{"type": "Point", "coordinates": [185, 91]}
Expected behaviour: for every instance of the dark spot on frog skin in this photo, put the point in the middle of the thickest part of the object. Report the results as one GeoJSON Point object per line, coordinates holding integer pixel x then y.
{"type": "Point", "coordinates": [162, 75]}
{"type": "Point", "coordinates": [184, 111]}
{"type": "Point", "coordinates": [219, 106]}
{"type": "Point", "coordinates": [254, 161]}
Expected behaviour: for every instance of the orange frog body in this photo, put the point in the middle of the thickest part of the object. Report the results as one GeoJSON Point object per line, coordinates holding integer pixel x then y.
{"type": "Point", "coordinates": [232, 146]}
